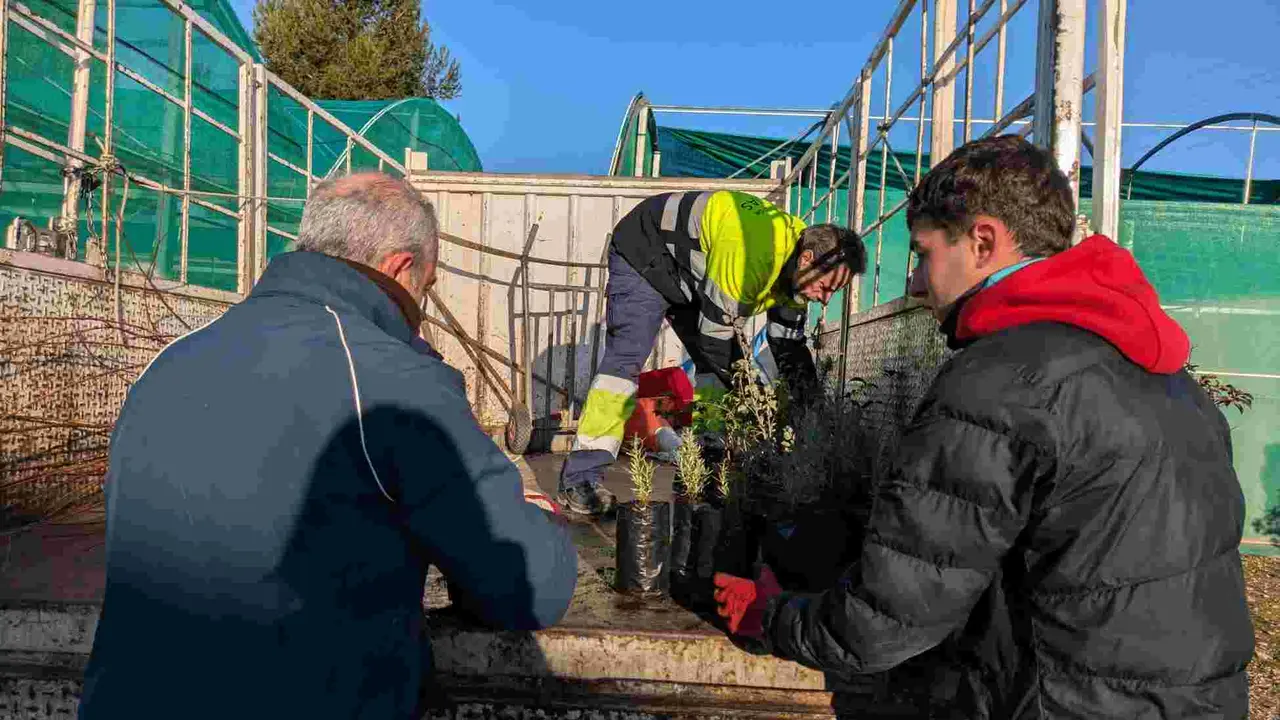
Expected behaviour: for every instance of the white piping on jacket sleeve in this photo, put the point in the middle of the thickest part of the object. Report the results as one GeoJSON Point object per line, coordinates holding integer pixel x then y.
{"type": "Point", "coordinates": [355, 391]}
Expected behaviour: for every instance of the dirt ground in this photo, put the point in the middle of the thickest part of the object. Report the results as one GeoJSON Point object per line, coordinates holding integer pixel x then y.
{"type": "Point", "coordinates": [1262, 582]}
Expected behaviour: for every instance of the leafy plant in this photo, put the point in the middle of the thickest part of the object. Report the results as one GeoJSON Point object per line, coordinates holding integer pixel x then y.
{"type": "Point", "coordinates": [1223, 394]}
{"type": "Point", "coordinates": [694, 474]}
{"type": "Point", "coordinates": [641, 469]}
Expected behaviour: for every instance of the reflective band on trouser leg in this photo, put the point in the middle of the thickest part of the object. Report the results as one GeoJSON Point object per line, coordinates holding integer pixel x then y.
{"type": "Point", "coordinates": [610, 403]}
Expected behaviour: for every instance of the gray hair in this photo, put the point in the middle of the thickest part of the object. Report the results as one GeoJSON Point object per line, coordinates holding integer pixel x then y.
{"type": "Point", "coordinates": [366, 217]}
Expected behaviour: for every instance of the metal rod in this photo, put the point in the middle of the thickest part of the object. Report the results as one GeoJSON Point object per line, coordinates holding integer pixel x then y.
{"type": "Point", "coordinates": [244, 179]}
{"type": "Point", "coordinates": [551, 326]}
{"type": "Point", "coordinates": [108, 133]}
{"type": "Point", "coordinates": [1248, 177]}
{"type": "Point", "coordinates": [4, 80]}
{"type": "Point", "coordinates": [328, 117]}
{"type": "Point", "coordinates": [571, 277]}
{"type": "Point", "coordinates": [525, 336]}
{"type": "Point", "coordinates": [311, 138]}
{"type": "Point", "coordinates": [285, 163]}
{"type": "Point", "coordinates": [1108, 107]}
{"type": "Point", "coordinates": [942, 138]}
{"type": "Point", "coordinates": [886, 216]}
{"type": "Point", "coordinates": [455, 240]}
{"type": "Point", "coordinates": [968, 76]}
{"type": "Point", "coordinates": [209, 30]}
{"type": "Point", "coordinates": [831, 176]}
{"type": "Point", "coordinates": [495, 355]}
{"type": "Point", "coordinates": [1000, 56]}
{"type": "Point", "coordinates": [884, 167]}
{"type": "Point", "coordinates": [1059, 71]}
{"type": "Point", "coordinates": [79, 109]}
{"type": "Point", "coordinates": [184, 227]}
{"type": "Point", "coordinates": [924, 72]}
{"type": "Point", "coordinates": [261, 122]}
{"type": "Point", "coordinates": [768, 153]}
{"type": "Point", "coordinates": [348, 153]}
{"type": "Point", "coordinates": [728, 110]}
{"type": "Point", "coordinates": [986, 38]}
{"type": "Point", "coordinates": [468, 345]}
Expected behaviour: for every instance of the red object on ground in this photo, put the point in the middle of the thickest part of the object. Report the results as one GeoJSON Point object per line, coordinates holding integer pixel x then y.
{"type": "Point", "coordinates": [663, 398]}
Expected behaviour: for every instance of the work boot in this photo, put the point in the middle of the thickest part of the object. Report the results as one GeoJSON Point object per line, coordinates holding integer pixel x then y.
{"type": "Point", "coordinates": [585, 496]}
{"type": "Point", "coordinates": [589, 498]}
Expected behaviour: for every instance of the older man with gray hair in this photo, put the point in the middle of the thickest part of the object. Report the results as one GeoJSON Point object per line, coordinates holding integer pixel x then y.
{"type": "Point", "coordinates": [281, 479]}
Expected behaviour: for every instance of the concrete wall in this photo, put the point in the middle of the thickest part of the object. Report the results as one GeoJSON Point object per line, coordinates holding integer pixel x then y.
{"type": "Point", "coordinates": [70, 345]}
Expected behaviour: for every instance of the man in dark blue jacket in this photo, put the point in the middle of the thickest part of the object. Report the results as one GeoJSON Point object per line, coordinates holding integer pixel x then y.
{"type": "Point", "coordinates": [281, 479]}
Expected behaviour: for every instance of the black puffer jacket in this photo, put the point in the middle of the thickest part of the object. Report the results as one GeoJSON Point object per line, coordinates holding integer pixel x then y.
{"type": "Point", "coordinates": [1062, 516]}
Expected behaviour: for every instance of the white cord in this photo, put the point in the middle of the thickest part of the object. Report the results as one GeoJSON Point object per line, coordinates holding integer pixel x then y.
{"type": "Point", "coordinates": [355, 390]}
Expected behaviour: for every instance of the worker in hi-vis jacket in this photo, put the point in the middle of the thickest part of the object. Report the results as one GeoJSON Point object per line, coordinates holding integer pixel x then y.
{"type": "Point", "coordinates": [705, 261]}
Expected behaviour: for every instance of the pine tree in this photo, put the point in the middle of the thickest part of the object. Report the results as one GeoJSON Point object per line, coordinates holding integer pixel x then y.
{"type": "Point", "coordinates": [354, 49]}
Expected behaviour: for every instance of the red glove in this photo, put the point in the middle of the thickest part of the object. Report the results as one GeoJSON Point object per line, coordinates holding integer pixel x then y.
{"type": "Point", "coordinates": [743, 602]}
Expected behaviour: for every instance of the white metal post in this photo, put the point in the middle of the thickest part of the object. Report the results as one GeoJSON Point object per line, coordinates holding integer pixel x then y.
{"type": "Point", "coordinates": [642, 137]}
{"type": "Point", "coordinates": [1059, 80]}
{"type": "Point", "coordinates": [858, 142]}
{"type": "Point", "coordinates": [4, 79]}
{"type": "Point", "coordinates": [244, 186]}
{"type": "Point", "coordinates": [943, 137]}
{"type": "Point", "coordinates": [185, 227]}
{"type": "Point", "coordinates": [1107, 132]}
{"type": "Point", "coordinates": [79, 114]}
{"type": "Point", "coordinates": [96, 253]}
{"type": "Point", "coordinates": [1248, 173]}
{"type": "Point", "coordinates": [261, 90]}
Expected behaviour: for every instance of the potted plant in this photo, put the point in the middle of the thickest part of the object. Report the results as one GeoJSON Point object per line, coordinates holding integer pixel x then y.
{"type": "Point", "coordinates": [644, 533]}
{"type": "Point", "coordinates": [696, 524]}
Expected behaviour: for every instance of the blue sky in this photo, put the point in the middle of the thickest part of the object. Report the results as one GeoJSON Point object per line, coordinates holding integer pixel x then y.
{"type": "Point", "coordinates": [545, 83]}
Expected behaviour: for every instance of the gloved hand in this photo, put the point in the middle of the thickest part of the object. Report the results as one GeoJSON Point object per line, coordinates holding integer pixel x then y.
{"type": "Point", "coordinates": [743, 602]}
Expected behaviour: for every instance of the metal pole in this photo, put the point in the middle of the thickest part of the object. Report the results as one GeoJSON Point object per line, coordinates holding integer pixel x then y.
{"type": "Point", "coordinates": [831, 177]}
{"type": "Point", "coordinates": [99, 257]}
{"type": "Point", "coordinates": [1059, 80]}
{"type": "Point", "coordinates": [261, 90]}
{"type": "Point", "coordinates": [884, 167]}
{"type": "Point", "coordinates": [1109, 108]}
{"type": "Point", "coordinates": [184, 227]}
{"type": "Point", "coordinates": [642, 135]}
{"type": "Point", "coordinates": [4, 80]}
{"type": "Point", "coordinates": [311, 139]}
{"type": "Point", "coordinates": [571, 278]}
{"type": "Point", "coordinates": [1000, 51]}
{"type": "Point", "coordinates": [551, 327]}
{"type": "Point", "coordinates": [943, 137]}
{"type": "Point", "coordinates": [857, 198]}
{"type": "Point", "coordinates": [968, 72]}
{"type": "Point", "coordinates": [1248, 176]}
{"type": "Point", "coordinates": [924, 73]}
{"type": "Point", "coordinates": [348, 153]}
{"type": "Point", "coordinates": [526, 337]}
{"type": "Point", "coordinates": [79, 112]}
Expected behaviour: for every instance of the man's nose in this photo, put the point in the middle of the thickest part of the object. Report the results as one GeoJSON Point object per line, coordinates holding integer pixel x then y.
{"type": "Point", "coordinates": [916, 287]}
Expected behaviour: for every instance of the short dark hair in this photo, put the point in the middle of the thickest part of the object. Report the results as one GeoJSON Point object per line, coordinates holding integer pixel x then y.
{"type": "Point", "coordinates": [833, 245]}
{"type": "Point", "coordinates": [1007, 178]}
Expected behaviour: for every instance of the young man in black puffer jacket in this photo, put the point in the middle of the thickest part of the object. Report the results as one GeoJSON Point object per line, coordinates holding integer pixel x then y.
{"type": "Point", "coordinates": [1061, 516]}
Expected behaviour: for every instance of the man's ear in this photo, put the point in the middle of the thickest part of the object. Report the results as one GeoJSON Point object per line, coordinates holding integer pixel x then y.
{"type": "Point", "coordinates": [396, 263]}
{"type": "Point", "coordinates": [805, 259]}
{"type": "Point", "coordinates": [987, 235]}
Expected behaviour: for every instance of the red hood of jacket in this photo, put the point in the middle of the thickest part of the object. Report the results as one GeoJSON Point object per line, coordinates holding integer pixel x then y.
{"type": "Point", "coordinates": [1096, 286]}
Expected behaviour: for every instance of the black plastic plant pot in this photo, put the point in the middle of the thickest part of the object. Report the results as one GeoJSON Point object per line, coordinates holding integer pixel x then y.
{"type": "Point", "coordinates": [810, 552]}
{"type": "Point", "coordinates": [644, 549]}
{"type": "Point", "coordinates": [738, 545]}
{"type": "Point", "coordinates": [695, 535]}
